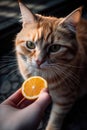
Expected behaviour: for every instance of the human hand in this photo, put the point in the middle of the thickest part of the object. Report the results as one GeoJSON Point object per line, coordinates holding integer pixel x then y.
{"type": "Point", "coordinates": [17, 113]}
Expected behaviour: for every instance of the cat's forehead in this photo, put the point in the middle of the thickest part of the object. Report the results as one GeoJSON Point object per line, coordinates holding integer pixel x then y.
{"type": "Point", "coordinates": [45, 28]}
{"type": "Point", "coordinates": [45, 23]}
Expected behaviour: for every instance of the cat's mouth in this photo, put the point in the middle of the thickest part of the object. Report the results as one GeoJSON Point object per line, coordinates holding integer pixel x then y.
{"type": "Point", "coordinates": [33, 70]}
{"type": "Point", "coordinates": [39, 67]}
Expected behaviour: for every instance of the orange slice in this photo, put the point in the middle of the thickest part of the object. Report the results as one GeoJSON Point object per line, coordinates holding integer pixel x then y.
{"type": "Point", "coordinates": [32, 87]}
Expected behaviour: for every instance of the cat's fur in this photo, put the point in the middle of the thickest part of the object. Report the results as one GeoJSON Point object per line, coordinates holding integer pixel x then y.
{"type": "Point", "coordinates": [62, 65]}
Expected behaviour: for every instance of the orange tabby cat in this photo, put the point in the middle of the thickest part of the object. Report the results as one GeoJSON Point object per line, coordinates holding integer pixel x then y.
{"type": "Point", "coordinates": [47, 47]}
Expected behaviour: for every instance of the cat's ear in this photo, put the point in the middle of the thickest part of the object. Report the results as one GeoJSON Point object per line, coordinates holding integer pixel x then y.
{"type": "Point", "coordinates": [73, 19]}
{"type": "Point", "coordinates": [27, 15]}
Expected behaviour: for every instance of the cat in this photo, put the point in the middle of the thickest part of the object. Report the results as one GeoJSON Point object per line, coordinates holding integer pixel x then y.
{"type": "Point", "coordinates": [50, 47]}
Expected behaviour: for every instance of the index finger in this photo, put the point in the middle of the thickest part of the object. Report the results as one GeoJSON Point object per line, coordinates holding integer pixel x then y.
{"type": "Point", "coordinates": [14, 98]}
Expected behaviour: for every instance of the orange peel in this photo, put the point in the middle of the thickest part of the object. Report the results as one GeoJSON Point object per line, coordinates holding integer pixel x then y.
{"type": "Point", "coordinates": [32, 87]}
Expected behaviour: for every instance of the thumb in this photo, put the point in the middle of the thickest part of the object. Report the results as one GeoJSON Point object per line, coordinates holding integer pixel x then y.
{"type": "Point", "coordinates": [44, 100]}
{"type": "Point", "coordinates": [33, 113]}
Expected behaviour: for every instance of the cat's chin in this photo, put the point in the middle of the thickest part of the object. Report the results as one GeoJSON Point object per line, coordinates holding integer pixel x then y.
{"type": "Point", "coordinates": [35, 73]}
{"type": "Point", "coordinates": [38, 68]}
{"type": "Point", "coordinates": [26, 76]}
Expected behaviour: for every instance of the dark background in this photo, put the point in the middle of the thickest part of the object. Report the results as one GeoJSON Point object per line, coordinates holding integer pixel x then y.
{"type": "Point", "coordinates": [10, 79]}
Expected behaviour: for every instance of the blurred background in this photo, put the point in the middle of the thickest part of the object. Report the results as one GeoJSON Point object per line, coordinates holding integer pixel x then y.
{"type": "Point", "coordinates": [10, 78]}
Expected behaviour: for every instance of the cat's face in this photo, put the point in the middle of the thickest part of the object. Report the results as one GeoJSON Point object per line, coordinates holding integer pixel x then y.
{"type": "Point", "coordinates": [46, 45]}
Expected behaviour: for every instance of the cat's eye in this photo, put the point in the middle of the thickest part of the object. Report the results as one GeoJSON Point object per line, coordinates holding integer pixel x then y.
{"type": "Point", "coordinates": [30, 45]}
{"type": "Point", "coordinates": [54, 48]}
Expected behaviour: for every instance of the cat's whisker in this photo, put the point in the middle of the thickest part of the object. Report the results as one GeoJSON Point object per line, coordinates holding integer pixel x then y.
{"type": "Point", "coordinates": [73, 77]}
{"type": "Point", "coordinates": [73, 80]}
{"type": "Point", "coordinates": [12, 51]}
{"type": "Point", "coordinates": [7, 60]}
{"type": "Point", "coordinates": [16, 71]}
{"type": "Point", "coordinates": [69, 65]}
{"type": "Point", "coordinates": [64, 68]}
{"type": "Point", "coordinates": [7, 69]}
{"type": "Point", "coordinates": [8, 65]}
{"type": "Point", "coordinates": [68, 72]}
{"type": "Point", "coordinates": [61, 76]}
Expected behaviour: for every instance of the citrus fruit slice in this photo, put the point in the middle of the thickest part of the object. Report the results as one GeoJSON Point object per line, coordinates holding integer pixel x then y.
{"type": "Point", "coordinates": [32, 86]}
